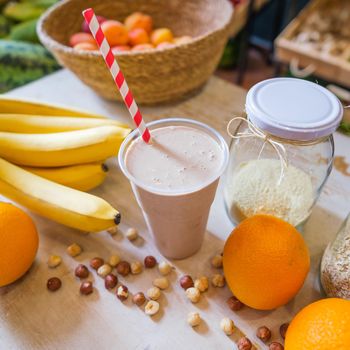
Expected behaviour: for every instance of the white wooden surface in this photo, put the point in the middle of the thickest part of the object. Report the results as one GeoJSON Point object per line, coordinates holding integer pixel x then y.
{"type": "Point", "coordinates": [33, 318]}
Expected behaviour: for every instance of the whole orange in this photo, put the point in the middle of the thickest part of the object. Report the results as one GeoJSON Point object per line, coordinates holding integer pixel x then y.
{"type": "Point", "coordinates": [323, 325]}
{"type": "Point", "coordinates": [18, 243]}
{"type": "Point", "coordinates": [265, 262]}
{"type": "Point", "coordinates": [115, 33]}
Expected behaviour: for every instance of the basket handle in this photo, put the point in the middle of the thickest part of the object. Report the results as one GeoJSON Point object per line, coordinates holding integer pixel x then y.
{"type": "Point", "coordinates": [301, 72]}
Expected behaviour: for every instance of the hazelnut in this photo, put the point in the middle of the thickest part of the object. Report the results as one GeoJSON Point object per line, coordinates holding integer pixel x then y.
{"type": "Point", "coordinates": [164, 268]}
{"type": "Point", "coordinates": [86, 288]}
{"type": "Point", "coordinates": [113, 230]}
{"type": "Point", "coordinates": [244, 344]}
{"type": "Point", "coordinates": [150, 261]}
{"type": "Point", "coordinates": [53, 284]}
{"type": "Point", "coordinates": [151, 308]}
{"type": "Point", "coordinates": [283, 330]}
{"type": "Point", "coordinates": [276, 346]}
{"type": "Point", "coordinates": [74, 250]}
{"type": "Point", "coordinates": [132, 234]}
{"type": "Point", "coordinates": [218, 280]}
{"type": "Point", "coordinates": [194, 319]}
{"type": "Point", "coordinates": [104, 270]}
{"type": "Point", "coordinates": [95, 263]}
{"type": "Point", "coordinates": [81, 271]}
{"type": "Point", "coordinates": [153, 293]}
{"type": "Point", "coordinates": [114, 260]}
{"type": "Point", "coordinates": [138, 299]}
{"type": "Point", "coordinates": [263, 333]}
{"type": "Point", "coordinates": [161, 283]}
{"type": "Point", "coordinates": [202, 284]}
{"type": "Point", "coordinates": [54, 261]}
{"type": "Point", "coordinates": [193, 294]}
{"type": "Point", "coordinates": [111, 281]}
{"type": "Point", "coordinates": [136, 267]}
{"type": "Point", "coordinates": [216, 261]}
{"type": "Point", "coordinates": [227, 326]}
{"type": "Point", "coordinates": [186, 282]}
{"type": "Point", "coordinates": [234, 304]}
{"type": "Point", "coordinates": [123, 268]}
{"type": "Point", "coordinates": [122, 292]}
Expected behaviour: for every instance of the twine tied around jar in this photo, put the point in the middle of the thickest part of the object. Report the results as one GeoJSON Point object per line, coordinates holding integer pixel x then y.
{"type": "Point", "coordinates": [255, 132]}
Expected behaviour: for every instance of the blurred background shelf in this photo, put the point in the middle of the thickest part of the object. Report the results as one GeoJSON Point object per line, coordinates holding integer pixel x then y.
{"type": "Point", "coordinates": [313, 54]}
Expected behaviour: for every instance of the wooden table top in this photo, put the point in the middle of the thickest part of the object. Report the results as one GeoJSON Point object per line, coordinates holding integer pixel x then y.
{"type": "Point", "coordinates": [33, 318]}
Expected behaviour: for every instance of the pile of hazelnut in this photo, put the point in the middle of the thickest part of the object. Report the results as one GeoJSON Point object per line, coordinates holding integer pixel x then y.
{"type": "Point", "coordinates": [123, 268]}
{"type": "Point", "coordinates": [149, 301]}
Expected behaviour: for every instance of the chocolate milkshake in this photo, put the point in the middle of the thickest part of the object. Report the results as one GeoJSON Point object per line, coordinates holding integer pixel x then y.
{"type": "Point", "coordinates": [174, 179]}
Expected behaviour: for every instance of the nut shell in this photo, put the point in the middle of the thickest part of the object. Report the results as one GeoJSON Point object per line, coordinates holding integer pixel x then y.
{"type": "Point", "coordinates": [150, 261]}
{"type": "Point", "coordinates": [86, 288]}
{"type": "Point", "coordinates": [96, 263]}
{"type": "Point", "coordinates": [263, 333]}
{"type": "Point", "coordinates": [244, 344]}
{"type": "Point", "coordinates": [234, 304]}
{"type": "Point", "coordinates": [122, 292]}
{"type": "Point", "coordinates": [276, 346]}
{"type": "Point", "coordinates": [111, 281]}
{"type": "Point", "coordinates": [123, 268]}
{"type": "Point", "coordinates": [81, 271]}
{"type": "Point", "coordinates": [186, 282]}
{"type": "Point", "coordinates": [283, 329]}
{"type": "Point", "coordinates": [53, 284]}
{"type": "Point", "coordinates": [139, 299]}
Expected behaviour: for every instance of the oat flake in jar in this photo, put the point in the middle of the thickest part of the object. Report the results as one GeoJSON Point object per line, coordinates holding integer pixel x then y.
{"type": "Point", "coordinates": [281, 155]}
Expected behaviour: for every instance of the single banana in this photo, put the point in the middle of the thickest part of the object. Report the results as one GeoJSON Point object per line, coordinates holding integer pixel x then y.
{"type": "Point", "coordinates": [70, 207]}
{"type": "Point", "coordinates": [62, 148]}
{"type": "Point", "coordinates": [19, 106]}
{"type": "Point", "coordinates": [82, 177]}
{"type": "Point", "coordinates": [30, 124]}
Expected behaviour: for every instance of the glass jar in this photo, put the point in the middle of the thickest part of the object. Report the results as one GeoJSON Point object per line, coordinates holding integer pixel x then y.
{"type": "Point", "coordinates": [335, 264]}
{"type": "Point", "coordinates": [281, 155]}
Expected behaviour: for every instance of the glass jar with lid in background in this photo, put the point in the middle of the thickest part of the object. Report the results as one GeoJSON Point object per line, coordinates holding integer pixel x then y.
{"type": "Point", "coordinates": [282, 154]}
{"type": "Point", "coordinates": [335, 264]}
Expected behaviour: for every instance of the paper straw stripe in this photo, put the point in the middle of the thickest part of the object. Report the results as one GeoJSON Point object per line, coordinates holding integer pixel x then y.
{"type": "Point", "coordinates": [133, 109]}
{"type": "Point", "coordinates": [128, 99]}
{"type": "Point", "coordinates": [114, 70]}
{"type": "Point", "coordinates": [99, 37]}
{"type": "Point", "coordinates": [137, 118]}
{"type": "Point", "coordinates": [110, 59]}
{"type": "Point", "coordinates": [119, 79]}
{"type": "Point", "coordinates": [124, 89]}
{"type": "Point", "coordinates": [146, 135]}
{"type": "Point", "coordinates": [116, 73]}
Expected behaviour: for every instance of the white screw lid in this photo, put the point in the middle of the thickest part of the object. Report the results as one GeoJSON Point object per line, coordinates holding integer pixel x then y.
{"type": "Point", "coordinates": [293, 108]}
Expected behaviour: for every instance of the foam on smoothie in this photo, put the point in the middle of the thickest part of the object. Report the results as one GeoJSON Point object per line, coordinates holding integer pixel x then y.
{"type": "Point", "coordinates": [179, 158]}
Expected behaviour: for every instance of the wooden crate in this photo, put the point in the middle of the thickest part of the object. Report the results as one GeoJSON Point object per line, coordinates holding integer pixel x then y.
{"type": "Point", "coordinates": [327, 66]}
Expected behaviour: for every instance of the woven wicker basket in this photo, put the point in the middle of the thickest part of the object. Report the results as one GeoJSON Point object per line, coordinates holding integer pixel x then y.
{"type": "Point", "coordinates": [153, 76]}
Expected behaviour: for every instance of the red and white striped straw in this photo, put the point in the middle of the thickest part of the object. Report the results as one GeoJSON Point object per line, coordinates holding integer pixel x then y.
{"type": "Point", "coordinates": [117, 74]}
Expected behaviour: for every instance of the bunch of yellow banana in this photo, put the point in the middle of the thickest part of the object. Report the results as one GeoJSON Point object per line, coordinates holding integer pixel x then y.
{"type": "Point", "coordinates": [49, 154]}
